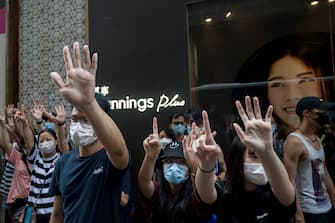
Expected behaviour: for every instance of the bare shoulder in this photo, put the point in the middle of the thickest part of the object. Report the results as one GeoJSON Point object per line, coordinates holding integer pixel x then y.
{"type": "Point", "coordinates": [293, 146]}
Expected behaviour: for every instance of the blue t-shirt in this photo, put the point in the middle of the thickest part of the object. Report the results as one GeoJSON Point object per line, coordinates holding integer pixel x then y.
{"type": "Point", "coordinates": [89, 187]}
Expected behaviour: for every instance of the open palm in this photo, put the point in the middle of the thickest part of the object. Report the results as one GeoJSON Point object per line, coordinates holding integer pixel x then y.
{"type": "Point", "coordinates": [79, 85]}
{"type": "Point", "coordinates": [257, 135]}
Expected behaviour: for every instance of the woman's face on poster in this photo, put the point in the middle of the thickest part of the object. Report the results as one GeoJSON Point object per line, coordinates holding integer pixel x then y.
{"type": "Point", "coordinates": [289, 80]}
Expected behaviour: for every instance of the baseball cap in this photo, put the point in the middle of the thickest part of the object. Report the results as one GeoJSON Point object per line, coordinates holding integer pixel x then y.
{"type": "Point", "coordinates": [308, 103]}
{"type": "Point", "coordinates": [173, 150]}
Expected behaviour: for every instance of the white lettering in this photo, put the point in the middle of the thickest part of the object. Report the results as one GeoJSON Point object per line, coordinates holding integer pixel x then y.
{"type": "Point", "coordinates": [165, 103]}
{"type": "Point", "coordinates": [143, 104]}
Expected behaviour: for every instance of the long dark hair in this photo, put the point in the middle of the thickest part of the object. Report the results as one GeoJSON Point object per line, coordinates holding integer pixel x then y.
{"type": "Point", "coordinates": [166, 208]}
{"type": "Point", "coordinates": [234, 179]}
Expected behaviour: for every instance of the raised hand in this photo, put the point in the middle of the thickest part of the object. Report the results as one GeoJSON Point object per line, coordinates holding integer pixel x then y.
{"type": "Point", "coordinates": [38, 111]}
{"type": "Point", "coordinates": [151, 144]}
{"type": "Point", "coordinates": [61, 115]}
{"type": "Point", "coordinates": [257, 135]}
{"type": "Point", "coordinates": [10, 126]}
{"type": "Point", "coordinates": [21, 113]}
{"type": "Point", "coordinates": [10, 110]}
{"type": "Point", "coordinates": [79, 85]}
{"type": "Point", "coordinates": [189, 153]}
{"type": "Point", "coordinates": [207, 151]}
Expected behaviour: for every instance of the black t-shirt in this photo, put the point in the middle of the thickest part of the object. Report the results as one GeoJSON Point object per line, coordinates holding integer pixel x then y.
{"type": "Point", "coordinates": [89, 187]}
{"type": "Point", "coordinates": [259, 206]}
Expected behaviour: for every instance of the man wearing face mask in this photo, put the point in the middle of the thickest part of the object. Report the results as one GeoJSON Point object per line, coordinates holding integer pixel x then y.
{"type": "Point", "coordinates": [178, 126]}
{"type": "Point", "coordinates": [169, 198]}
{"type": "Point", "coordinates": [86, 183]}
{"type": "Point", "coordinates": [304, 159]}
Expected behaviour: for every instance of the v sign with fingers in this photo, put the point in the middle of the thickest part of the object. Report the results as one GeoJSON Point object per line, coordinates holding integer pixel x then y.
{"type": "Point", "coordinates": [79, 85]}
{"type": "Point", "coordinates": [257, 136]}
{"type": "Point", "coordinates": [152, 149]}
{"type": "Point", "coordinates": [208, 152]}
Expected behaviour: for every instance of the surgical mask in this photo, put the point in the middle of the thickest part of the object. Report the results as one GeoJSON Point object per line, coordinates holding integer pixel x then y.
{"type": "Point", "coordinates": [175, 173]}
{"type": "Point", "coordinates": [254, 172]}
{"type": "Point", "coordinates": [82, 134]}
{"type": "Point", "coordinates": [178, 129]}
{"type": "Point", "coordinates": [164, 141]}
{"type": "Point", "coordinates": [47, 147]}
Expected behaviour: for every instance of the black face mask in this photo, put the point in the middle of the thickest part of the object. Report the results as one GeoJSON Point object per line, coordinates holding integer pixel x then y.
{"type": "Point", "coordinates": [322, 119]}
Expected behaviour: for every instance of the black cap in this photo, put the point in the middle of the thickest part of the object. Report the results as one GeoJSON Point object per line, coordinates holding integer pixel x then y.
{"type": "Point", "coordinates": [103, 103]}
{"type": "Point", "coordinates": [173, 150]}
{"type": "Point", "coordinates": [308, 103]}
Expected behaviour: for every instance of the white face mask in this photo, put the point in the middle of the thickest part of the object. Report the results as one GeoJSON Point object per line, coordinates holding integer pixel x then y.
{"type": "Point", "coordinates": [164, 141]}
{"type": "Point", "coordinates": [47, 147]}
{"type": "Point", "coordinates": [82, 134]}
{"type": "Point", "coordinates": [254, 172]}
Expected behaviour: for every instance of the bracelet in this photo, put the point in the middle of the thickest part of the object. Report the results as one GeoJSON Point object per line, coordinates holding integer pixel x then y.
{"type": "Point", "coordinates": [40, 122]}
{"type": "Point", "coordinates": [206, 171]}
{"type": "Point", "coordinates": [192, 175]}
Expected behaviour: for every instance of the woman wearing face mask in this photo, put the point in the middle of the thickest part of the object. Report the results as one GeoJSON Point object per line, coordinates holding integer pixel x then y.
{"type": "Point", "coordinates": [170, 198]}
{"type": "Point", "coordinates": [256, 188]}
{"type": "Point", "coordinates": [43, 159]}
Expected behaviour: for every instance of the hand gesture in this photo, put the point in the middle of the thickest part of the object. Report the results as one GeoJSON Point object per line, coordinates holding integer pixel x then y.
{"type": "Point", "coordinates": [61, 115]}
{"type": "Point", "coordinates": [191, 158]}
{"type": "Point", "coordinates": [10, 126]}
{"type": "Point", "coordinates": [151, 144]}
{"type": "Point", "coordinates": [10, 110]}
{"type": "Point", "coordinates": [21, 113]}
{"type": "Point", "coordinates": [79, 85]}
{"type": "Point", "coordinates": [38, 111]}
{"type": "Point", "coordinates": [257, 135]}
{"type": "Point", "coordinates": [207, 150]}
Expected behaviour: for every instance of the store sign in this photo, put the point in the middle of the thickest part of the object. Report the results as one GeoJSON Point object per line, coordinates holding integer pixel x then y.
{"type": "Point", "coordinates": [143, 104]}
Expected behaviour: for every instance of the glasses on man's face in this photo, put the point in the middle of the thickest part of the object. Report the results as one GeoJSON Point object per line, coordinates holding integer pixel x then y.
{"type": "Point", "coordinates": [81, 119]}
{"type": "Point", "coordinates": [178, 123]}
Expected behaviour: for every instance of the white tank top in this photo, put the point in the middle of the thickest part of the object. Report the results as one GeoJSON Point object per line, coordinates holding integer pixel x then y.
{"type": "Point", "coordinates": [310, 180]}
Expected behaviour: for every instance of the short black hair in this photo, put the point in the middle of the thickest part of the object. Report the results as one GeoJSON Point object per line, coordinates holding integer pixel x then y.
{"type": "Point", "coordinates": [176, 115]}
{"type": "Point", "coordinates": [48, 130]}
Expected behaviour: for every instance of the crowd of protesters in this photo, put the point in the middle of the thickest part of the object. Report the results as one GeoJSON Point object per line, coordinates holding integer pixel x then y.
{"type": "Point", "coordinates": [80, 171]}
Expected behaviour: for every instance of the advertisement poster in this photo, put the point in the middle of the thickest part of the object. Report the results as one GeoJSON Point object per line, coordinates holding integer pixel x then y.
{"type": "Point", "coordinates": [279, 51]}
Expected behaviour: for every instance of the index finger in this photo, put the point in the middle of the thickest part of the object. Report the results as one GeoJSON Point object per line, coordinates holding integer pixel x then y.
{"type": "Point", "coordinates": [206, 123]}
{"type": "Point", "coordinates": [154, 126]}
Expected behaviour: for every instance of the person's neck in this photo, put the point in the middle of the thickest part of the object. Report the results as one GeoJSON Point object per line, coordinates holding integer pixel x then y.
{"type": "Point", "coordinates": [248, 186]}
{"type": "Point", "coordinates": [307, 129]}
{"type": "Point", "coordinates": [90, 149]}
{"type": "Point", "coordinates": [175, 188]}
{"type": "Point", "coordinates": [48, 156]}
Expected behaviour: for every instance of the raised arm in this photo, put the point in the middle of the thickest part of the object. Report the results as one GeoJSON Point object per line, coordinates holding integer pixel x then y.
{"type": "Point", "coordinates": [37, 113]}
{"type": "Point", "coordinates": [79, 91]}
{"type": "Point", "coordinates": [61, 128]}
{"type": "Point", "coordinates": [208, 152]}
{"type": "Point", "coordinates": [152, 149]}
{"type": "Point", "coordinates": [28, 134]}
{"type": "Point", "coordinates": [257, 137]}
